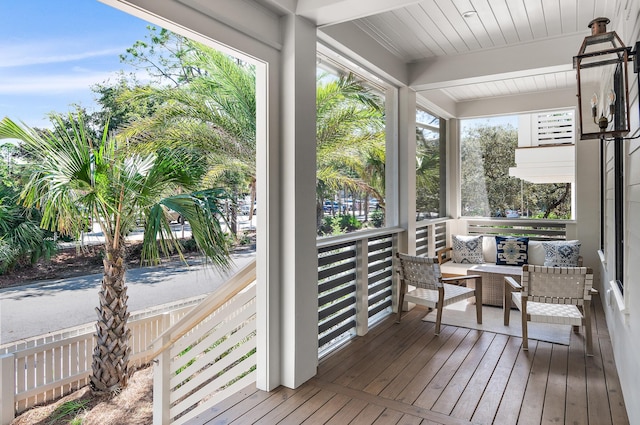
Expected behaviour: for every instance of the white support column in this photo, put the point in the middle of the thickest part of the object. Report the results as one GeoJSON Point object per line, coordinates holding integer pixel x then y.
{"type": "Point", "coordinates": [268, 264]}
{"type": "Point", "coordinates": [299, 275]}
{"type": "Point", "coordinates": [407, 168]}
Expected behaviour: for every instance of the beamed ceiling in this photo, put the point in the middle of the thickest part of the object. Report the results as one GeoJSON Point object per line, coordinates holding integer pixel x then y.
{"type": "Point", "coordinates": [504, 48]}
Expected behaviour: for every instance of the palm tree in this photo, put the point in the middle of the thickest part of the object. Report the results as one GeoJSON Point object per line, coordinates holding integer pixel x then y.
{"type": "Point", "coordinates": [214, 112]}
{"type": "Point", "coordinates": [350, 138]}
{"type": "Point", "coordinates": [76, 176]}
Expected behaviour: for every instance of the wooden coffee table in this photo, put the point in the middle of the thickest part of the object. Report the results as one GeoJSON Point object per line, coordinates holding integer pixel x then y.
{"type": "Point", "coordinates": [493, 281]}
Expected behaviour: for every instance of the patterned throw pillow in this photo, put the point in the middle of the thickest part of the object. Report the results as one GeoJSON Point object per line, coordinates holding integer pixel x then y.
{"type": "Point", "coordinates": [512, 251]}
{"type": "Point", "coordinates": [561, 253]}
{"type": "Point", "coordinates": [467, 249]}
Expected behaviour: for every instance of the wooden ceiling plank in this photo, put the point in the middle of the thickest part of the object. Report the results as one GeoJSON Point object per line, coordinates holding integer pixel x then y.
{"type": "Point", "coordinates": [505, 21]}
{"type": "Point", "coordinates": [568, 16]}
{"type": "Point", "coordinates": [520, 20]}
{"type": "Point", "coordinates": [431, 28]}
{"type": "Point", "coordinates": [487, 25]}
{"type": "Point", "coordinates": [552, 17]}
{"type": "Point", "coordinates": [458, 24]}
{"type": "Point", "coordinates": [414, 19]}
{"type": "Point", "coordinates": [536, 18]}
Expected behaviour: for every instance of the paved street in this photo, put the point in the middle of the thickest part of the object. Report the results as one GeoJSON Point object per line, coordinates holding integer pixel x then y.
{"type": "Point", "coordinates": [49, 306]}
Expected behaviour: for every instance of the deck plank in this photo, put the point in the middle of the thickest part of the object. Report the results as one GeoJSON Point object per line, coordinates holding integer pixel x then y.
{"type": "Point", "coordinates": [509, 409]}
{"type": "Point", "coordinates": [576, 402]}
{"type": "Point", "coordinates": [399, 383]}
{"type": "Point", "coordinates": [556, 392]}
{"type": "Point", "coordinates": [421, 379]}
{"type": "Point", "coordinates": [469, 399]}
{"type": "Point", "coordinates": [288, 406]}
{"type": "Point", "coordinates": [597, 397]}
{"type": "Point", "coordinates": [332, 406]}
{"type": "Point", "coordinates": [493, 393]}
{"type": "Point", "coordinates": [389, 417]}
{"type": "Point", "coordinates": [444, 401]}
{"type": "Point", "coordinates": [614, 390]}
{"type": "Point", "coordinates": [312, 405]}
{"type": "Point", "coordinates": [533, 400]}
{"type": "Point", "coordinates": [393, 369]}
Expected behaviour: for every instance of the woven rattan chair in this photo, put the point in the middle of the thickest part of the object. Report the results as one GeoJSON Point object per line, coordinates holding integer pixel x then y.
{"type": "Point", "coordinates": [431, 289]}
{"type": "Point", "coordinates": [560, 295]}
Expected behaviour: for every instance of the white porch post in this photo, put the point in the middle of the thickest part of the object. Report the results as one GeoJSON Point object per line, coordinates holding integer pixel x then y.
{"type": "Point", "coordinates": [407, 169]}
{"type": "Point", "coordinates": [298, 313]}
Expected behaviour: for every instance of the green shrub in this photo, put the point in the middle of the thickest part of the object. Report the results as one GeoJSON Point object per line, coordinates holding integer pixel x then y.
{"type": "Point", "coordinates": [377, 218]}
{"type": "Point", "coordinates": [339, 224]}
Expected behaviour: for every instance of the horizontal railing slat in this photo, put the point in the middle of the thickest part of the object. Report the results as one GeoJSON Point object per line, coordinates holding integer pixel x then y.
{"type": "Point", "coordinates": [334, 308]}
{"type": "Point", "coordinates": [377, 309]}
{"type": "Point", "coordinates": [337, 257]}
{"type": "Point", "coordinates": [379, 297]}
{"type": "Point", "coordinates": [380, 276]}
{"type": "Point", "coordinates": [332, 271]}
{"type": "Point", "coordinates": [346, 327]}
{"type": "Point", "coordinates": [324, 326]}
{"type": "Point", "coordinates": [332, 296]}
{"type": "Point", "coordinates": [328, 285]}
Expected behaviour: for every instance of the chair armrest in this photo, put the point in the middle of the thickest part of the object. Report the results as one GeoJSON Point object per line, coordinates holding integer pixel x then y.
{"type": "Point", "coordinates": [457, 280]}
{"type": "Point", "coordinates": [511, 284]}
{"type": "Point", "coordinates": [441, 255]}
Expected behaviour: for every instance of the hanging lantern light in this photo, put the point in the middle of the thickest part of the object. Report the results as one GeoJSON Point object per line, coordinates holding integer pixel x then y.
{"type": "Point", "coordinates": [603, 83]}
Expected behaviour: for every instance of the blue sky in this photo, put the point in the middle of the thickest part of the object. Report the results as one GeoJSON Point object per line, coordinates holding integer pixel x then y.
{"type": "Point", "coordinates": [53, 51]}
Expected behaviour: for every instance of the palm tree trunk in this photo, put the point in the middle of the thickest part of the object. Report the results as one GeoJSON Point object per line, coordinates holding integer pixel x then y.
{"type": "Point", "coordinates": [111, 353]}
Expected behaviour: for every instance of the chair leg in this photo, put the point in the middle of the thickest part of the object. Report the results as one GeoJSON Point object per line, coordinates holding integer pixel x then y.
{"type": "Point", "coordinates": [438, 317]}
{"type": "Point", "coordinates": [400, 302]}
{"type": "Point", "coordinates": [587, 326]}
{"type": "Point", "coordinates": [525, 334]}
{"type": "Point", "coordinates": [479, 300]}
{"type": "Point", "coordinates": [479, 312]}
{"type": "Point", "coordinates": [506, 303]}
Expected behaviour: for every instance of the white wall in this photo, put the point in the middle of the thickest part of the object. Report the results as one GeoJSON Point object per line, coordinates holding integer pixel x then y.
{"type": "Point", "coordinates": [623, 312]}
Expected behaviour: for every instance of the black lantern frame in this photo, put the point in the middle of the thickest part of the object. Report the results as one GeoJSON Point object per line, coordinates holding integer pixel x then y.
{"type": "Point", "coordinates": [602, 71]}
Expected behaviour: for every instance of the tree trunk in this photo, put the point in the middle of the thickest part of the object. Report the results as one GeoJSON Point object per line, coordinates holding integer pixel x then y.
{"type": "Point", "coordinates": [111, 353]}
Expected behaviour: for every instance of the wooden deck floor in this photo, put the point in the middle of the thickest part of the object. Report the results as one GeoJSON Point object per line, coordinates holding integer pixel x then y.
{"type": "Point", "coordinates": [404, 374]}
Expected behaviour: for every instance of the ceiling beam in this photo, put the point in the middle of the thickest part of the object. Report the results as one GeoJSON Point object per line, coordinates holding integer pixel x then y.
{"type": "Point", "coordinates": [534, 58]}
{"type": "Point", "coordinates": [355, 44]}
{"type": "Point", "coordinates": [330, 12]}
{"type": "Point", "coordinates": [516, 104]}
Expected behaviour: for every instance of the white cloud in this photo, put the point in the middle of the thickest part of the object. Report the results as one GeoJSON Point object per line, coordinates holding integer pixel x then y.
{"type": "Point", "coordinates": [51, 84]}
{"type": "Point", "coordinates": [57, 51]}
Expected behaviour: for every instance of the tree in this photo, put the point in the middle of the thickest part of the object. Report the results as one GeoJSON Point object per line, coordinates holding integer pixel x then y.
{"type": "Point", "coordinates": [350, 139]}
{"type": "Point", "coordinates": [22, 241]}
{"type": "Point", "coordinates": [76, 176]}
{"type": "Point", "coordinates": [487, 152]}
{"type": "Point", "coordinates": [214, 112]}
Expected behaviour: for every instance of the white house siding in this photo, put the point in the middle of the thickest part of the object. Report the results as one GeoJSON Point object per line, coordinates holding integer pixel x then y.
{"type": "Point", "coordinates": [623, 314]}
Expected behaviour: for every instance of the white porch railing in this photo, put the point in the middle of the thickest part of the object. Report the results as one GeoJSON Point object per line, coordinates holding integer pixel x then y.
{"type": "Point", "coordinates": [44, 368]}
{"type": "Point", "coordinates": [431, 236]}
{"type": "Point", "coordinates": [531, 228]}
{"type": "Point", "coordinates": [355, 276]}
{"type": "Point", "coordinates": [209, 354]}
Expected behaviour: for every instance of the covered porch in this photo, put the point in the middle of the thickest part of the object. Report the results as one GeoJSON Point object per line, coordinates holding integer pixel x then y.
{"type": "Point", "coordinates": [480, 73]}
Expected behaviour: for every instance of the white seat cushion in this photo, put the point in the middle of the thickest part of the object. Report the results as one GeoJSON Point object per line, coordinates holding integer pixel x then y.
{"type": "Point", "coordinates": [561, 314]}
